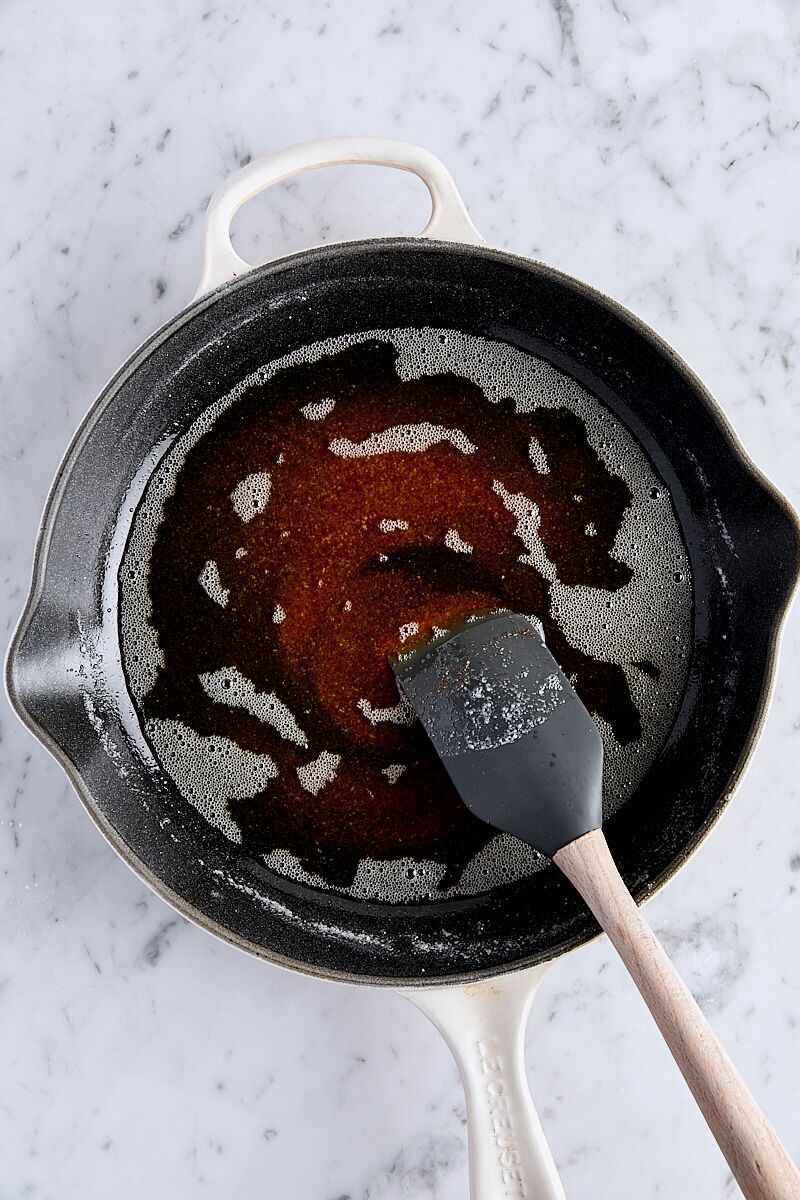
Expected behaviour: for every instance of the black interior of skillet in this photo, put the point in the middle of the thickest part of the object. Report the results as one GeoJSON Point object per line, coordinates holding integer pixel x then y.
{"type": "Point", "coordinates": [741, 539]}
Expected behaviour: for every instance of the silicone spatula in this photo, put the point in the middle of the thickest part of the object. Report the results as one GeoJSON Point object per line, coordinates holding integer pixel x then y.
{"type": "Point", "coordinates": [527, 758]}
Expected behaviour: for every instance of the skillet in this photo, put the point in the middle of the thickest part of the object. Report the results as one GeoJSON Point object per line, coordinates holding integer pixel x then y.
{"type": "Point", "coordinates": [471, 962]}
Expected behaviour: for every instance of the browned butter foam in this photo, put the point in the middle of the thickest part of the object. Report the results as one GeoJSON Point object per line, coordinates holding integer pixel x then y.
{"type": "Point", "coordinates": [356, 496]}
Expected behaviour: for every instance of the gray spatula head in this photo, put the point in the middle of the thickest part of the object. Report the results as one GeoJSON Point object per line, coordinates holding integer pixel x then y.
{"type": "Point", "coordinates": [517, 742]}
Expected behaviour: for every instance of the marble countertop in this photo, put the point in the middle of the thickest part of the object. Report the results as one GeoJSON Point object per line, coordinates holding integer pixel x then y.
{"type": "Point", "coordinates": [651, 149]}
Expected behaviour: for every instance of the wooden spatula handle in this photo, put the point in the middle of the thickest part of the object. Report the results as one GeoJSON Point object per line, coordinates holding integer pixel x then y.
{"type": "Point", "coordinates": [756, 1157]}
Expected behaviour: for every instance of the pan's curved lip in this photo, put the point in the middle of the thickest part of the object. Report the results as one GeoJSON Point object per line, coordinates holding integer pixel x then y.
{"type": "Point", "coordinates": [106, 397]}
{"type": "Point", "coordinates": [749, 466]}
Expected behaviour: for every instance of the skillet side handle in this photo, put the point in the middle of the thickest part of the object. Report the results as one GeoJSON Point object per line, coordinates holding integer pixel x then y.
{"type": "Point", "coordinates": [484, 1026]}
{"type": "Point", "coordinates": [448, 221]}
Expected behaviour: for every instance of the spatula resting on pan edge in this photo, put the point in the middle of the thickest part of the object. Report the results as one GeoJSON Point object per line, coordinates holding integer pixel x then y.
{"type": "Point", "coordinates": [527, 758]}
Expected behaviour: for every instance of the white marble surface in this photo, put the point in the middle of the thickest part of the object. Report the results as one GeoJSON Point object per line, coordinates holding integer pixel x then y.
{"type": "Point", "coordinates": [649, 148]}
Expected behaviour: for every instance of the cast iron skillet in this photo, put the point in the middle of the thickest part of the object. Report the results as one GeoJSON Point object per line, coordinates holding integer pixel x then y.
{"type": "Point", "coordinates": [64, 672]}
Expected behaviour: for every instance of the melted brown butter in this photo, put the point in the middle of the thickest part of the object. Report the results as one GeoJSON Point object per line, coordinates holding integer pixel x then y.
{"type": "Point", "coordinates": [345, 556]}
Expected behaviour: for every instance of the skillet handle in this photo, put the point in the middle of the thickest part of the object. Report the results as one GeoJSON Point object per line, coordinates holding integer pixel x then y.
{"type": "Point", "coordinates": [484, 1026]}
{"type": "Point", "coordinates": [448, 221]}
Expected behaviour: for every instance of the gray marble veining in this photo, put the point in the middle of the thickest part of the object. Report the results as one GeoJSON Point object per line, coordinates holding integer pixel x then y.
{"type": "Point", "coordinates": [651, 149]}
